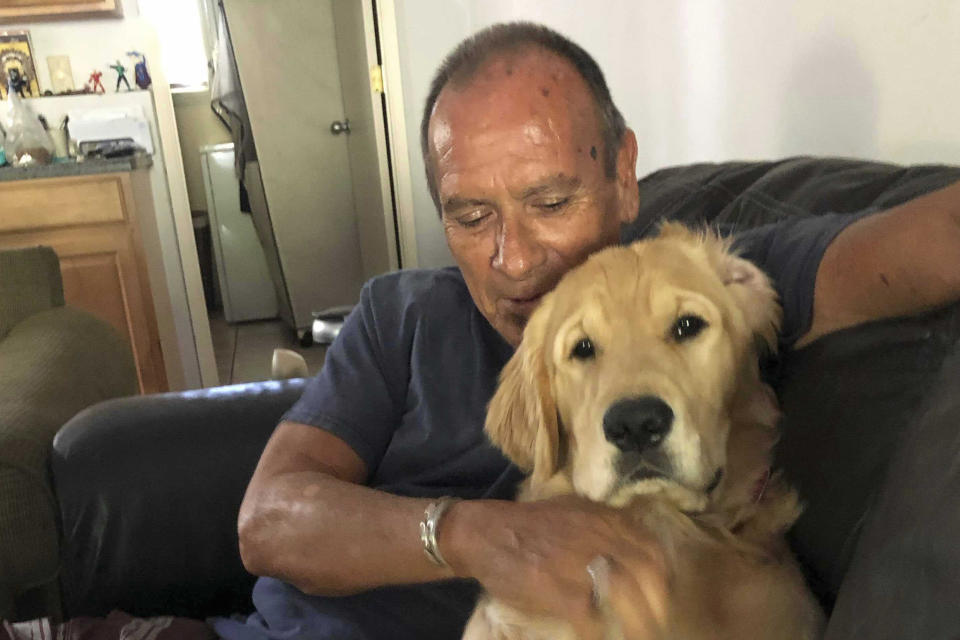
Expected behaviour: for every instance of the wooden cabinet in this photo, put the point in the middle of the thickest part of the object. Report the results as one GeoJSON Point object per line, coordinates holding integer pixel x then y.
{"type": "Point", "coordinates": [91, 222]}
{"type": "Point", "coordinates": [22, 10]}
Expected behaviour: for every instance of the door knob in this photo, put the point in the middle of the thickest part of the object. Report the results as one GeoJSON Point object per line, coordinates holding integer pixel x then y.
{"type": "Point", "coordinates": [337, 127]}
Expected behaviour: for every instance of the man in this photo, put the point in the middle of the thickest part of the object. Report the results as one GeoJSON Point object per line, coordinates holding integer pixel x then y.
{"type": "Point", "coordinates": [532, 169]}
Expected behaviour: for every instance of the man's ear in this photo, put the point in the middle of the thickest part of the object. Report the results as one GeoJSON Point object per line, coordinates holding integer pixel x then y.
{"type": "Point", "coordinates": [522, 416]}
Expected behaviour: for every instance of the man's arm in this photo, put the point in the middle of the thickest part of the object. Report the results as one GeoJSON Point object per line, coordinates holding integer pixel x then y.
{"type": "Point", "coordinates": [306, 519]}
{"type": "Point", "coordinates": [902, 261]}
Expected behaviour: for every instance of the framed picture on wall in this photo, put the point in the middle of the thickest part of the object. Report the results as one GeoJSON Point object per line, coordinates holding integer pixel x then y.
{"type": "Point", "coordinates": [16, 59]}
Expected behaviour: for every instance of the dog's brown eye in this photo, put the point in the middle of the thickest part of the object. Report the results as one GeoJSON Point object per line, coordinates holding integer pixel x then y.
{"type": "Point", "coordinates": [583, 350]}
{"type": "Point", "coordinates": [687, 327]}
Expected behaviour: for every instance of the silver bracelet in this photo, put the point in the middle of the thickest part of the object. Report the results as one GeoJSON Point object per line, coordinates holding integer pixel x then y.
{"type": "Point", "coordinates": [430, 525]}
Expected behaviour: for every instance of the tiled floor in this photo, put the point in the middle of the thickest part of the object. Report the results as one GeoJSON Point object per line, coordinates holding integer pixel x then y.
{"type": "Point", "coordinates": [244, 350]}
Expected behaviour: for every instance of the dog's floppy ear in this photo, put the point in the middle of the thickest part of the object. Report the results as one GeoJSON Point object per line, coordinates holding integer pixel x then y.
{"type": "Point", "coordinates": [750, 287]}
{"type": "Point", "coordinates": [522, 416]}
{"type": "Point", "coordinates": [753, 292]}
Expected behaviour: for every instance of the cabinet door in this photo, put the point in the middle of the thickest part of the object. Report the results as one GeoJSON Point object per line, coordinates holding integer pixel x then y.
{"type": "Point", "coordinates": [101, 274]}
{"type": "Point", "coordinates": [101, 259]}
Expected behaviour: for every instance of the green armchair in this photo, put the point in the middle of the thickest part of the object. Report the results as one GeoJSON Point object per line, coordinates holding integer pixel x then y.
{"type": "Point", "coordinates": [54, 361]}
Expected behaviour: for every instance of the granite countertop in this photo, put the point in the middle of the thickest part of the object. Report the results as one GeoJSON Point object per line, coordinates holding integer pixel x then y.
{"type": "Point", "coordinates": [72, 168]}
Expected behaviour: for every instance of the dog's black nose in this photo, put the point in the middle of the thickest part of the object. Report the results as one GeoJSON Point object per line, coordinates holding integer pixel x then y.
{"type": "Point", "coordinates": [638, 423]}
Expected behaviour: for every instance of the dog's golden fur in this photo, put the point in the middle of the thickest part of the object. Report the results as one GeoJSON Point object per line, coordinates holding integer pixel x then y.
{"type": "Point", "coordinates": [732, 575]}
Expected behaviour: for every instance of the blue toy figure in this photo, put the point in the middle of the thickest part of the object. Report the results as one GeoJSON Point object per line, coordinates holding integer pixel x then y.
{"type": "Point", "coordinates": [141, 75]}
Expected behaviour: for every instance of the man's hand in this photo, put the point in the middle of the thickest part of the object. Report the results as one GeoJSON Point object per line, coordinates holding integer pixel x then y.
{"type": "Point", "coordinates": [534, 556]}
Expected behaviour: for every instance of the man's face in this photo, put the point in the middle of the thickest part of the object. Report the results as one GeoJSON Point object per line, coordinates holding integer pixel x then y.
{"type": "Point", "coordinates": [519, 167]}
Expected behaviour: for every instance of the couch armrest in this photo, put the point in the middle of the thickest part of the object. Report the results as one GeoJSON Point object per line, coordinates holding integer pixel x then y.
{"type": "Point", "coordinates": [54, 364]}
{"type": "Point", "coordinates": [904, 578]}
{"type": "Point", "coordinates": [848, 399]}
{"type": "Point", "coordinates": [29, 282]}
{"type": "Point", "coordinates": [149, 490]}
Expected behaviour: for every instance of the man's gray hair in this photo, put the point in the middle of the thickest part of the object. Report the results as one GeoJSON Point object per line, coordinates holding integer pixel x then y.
{"type": "Point", "coordinates": [461, 64]}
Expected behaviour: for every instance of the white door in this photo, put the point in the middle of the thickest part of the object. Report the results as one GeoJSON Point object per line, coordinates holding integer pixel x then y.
{"type": "Point", "coordinates": [290, 72]}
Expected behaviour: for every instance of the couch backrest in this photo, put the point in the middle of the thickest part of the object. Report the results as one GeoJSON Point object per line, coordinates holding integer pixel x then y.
{"type": "Point", "coordinates": [29, 282]}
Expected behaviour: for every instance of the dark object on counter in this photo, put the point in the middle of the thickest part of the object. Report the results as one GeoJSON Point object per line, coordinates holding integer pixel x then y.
{"type": "Point", "coordinates": [119, 148]}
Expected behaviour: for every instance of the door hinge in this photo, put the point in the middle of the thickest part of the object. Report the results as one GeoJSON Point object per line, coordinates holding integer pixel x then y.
{"type": "Point", "coordinates": [376, 78]}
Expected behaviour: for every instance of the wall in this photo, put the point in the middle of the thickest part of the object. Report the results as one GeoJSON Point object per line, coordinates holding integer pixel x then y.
{"type": "Point", "coordinates": [713, 80]}
{"type": "Point", "coordinates": [198, 127]}
{"type": "Point", "coordinates": [91, 44]}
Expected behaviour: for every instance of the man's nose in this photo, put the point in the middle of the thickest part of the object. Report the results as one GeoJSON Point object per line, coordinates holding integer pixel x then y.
{"type": "Point", "coordinates": [518, 251]}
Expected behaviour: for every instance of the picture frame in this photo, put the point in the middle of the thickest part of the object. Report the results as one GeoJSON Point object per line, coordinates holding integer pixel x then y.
{"type": "Point", "coordinates": [16, 52]}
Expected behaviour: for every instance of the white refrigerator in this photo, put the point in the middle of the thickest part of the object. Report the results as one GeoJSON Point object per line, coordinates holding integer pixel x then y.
{"type": "Point", "coordinates": [245, 285]}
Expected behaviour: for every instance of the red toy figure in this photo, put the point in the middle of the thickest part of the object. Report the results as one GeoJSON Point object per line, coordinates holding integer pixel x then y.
{"type": "Point", "coordinates": [94, 82]}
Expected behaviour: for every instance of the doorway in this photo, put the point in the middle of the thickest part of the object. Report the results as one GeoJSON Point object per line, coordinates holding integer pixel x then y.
{"type": "Point", "coordinates": [320, 202]}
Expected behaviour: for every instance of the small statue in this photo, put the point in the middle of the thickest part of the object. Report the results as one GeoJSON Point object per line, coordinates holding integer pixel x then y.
{"type": "Point", "coordinates": [17, 81]}
{"type": "Point", "coordinates": [121, 75]}
{"type": "Point", "coordinates": [94, 82]}
{"type": "Point", "coordinates": [140, 74]}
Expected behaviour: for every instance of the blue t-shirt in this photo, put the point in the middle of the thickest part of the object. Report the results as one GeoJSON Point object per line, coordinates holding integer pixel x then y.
{"type": "Point", "coordinates": [406, 385]}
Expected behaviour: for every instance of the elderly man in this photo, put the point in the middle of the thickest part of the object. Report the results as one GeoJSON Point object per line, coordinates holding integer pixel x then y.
{"type": "Point", "coordinates": [532, 169]}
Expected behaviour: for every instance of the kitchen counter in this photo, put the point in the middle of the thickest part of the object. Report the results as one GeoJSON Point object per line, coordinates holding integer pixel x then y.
{"type": "Point", "coordinates": [85, 168]}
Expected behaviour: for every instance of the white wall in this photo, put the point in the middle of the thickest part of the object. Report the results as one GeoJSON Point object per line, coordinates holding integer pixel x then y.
{"type": "Point", "coordinates": [90, 43]}
{"type": "Point", "coordinates": [713, 80]}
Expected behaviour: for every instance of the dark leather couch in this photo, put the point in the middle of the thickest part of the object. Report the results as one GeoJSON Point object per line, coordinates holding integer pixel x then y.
{"type": "Point", "coordinates": [149, 487]}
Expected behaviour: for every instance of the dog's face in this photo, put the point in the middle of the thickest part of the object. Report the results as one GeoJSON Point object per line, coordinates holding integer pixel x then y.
{"type": "Point", "coordinates": [628, 371]}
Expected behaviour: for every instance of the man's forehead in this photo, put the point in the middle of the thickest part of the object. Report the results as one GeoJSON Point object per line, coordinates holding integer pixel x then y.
{"type": "Point", "coordinates": [511, 88]}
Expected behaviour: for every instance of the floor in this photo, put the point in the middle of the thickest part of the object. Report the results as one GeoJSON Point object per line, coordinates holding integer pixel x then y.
{"type": "Point", "coordinates": [244, 350]}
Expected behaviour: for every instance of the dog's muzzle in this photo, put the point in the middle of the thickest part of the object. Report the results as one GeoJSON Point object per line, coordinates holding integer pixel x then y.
{"type": "Point", "coordinates": [637, 424]}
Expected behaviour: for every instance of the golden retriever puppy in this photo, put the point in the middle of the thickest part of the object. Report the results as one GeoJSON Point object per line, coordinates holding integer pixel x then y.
{"type": "Point", "coordinates": [637, 385]}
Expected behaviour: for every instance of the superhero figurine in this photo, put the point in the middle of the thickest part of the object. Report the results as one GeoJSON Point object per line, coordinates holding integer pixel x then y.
{"type": "Point", "coordinates": [140, 74]}
{"type": "Point", "coordinates": [94, 82]}
{"type": "Point", "coordinates": [121, 75]}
